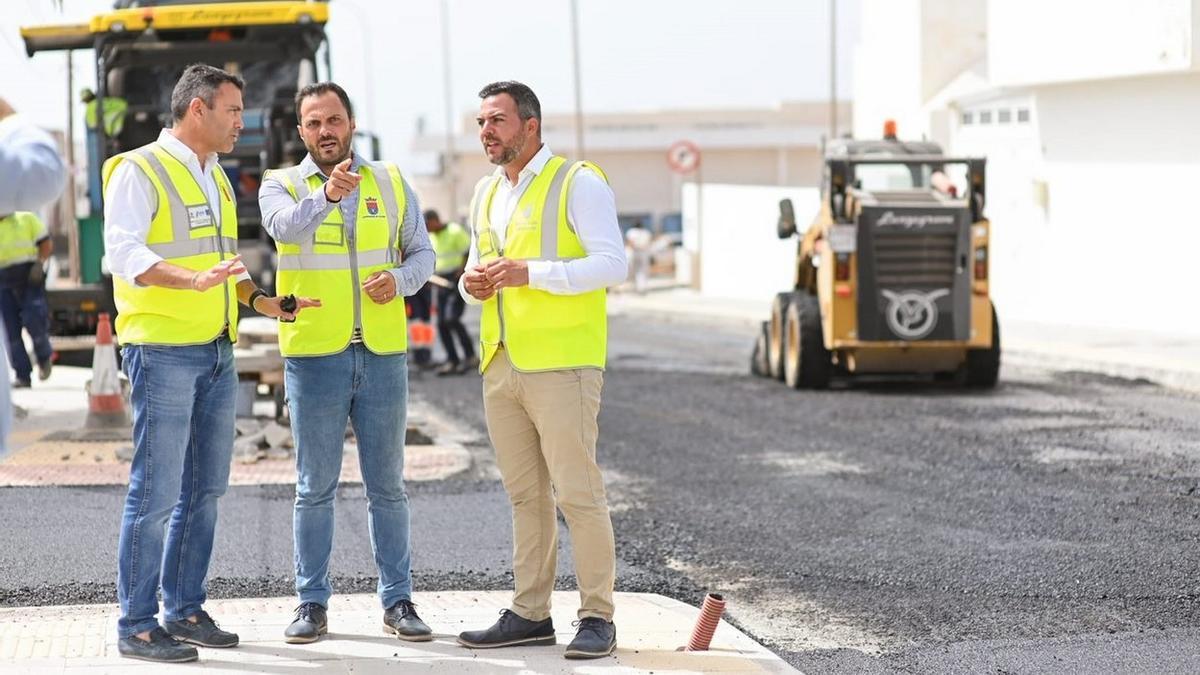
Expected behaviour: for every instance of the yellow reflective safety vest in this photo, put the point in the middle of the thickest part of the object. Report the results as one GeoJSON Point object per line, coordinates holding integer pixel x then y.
{"type": "Point", "coordinates": [19, 235]}
{"type": "Point", "coordinates": [184, 231]}
{"type": "Point", "coordinates": [540, 330]}
{"type": "Point", "coordinates": [451, 244]}
{"type": "Point", "coordinates": [333, 264]}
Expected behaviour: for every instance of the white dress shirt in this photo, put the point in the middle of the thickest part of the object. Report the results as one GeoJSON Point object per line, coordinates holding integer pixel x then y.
{"type": "Point", "coordinates": [130, 201]}
{"type": "Point", "coordinates": [591, 208]}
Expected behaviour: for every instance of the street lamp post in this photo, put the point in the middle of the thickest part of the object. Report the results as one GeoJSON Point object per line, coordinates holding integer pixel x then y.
{"type": "Point", "coordinates": [833, 130]}
{"type": "Point", "coordinates": [449, 164]}
{"type": "Point", "coordinates": [578, 85]}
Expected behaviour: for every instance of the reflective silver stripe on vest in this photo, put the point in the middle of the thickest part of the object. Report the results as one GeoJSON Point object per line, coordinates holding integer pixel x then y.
{"type": "Point", "coordinates": [387, 192]}
{"type": "Point", "coordinates": [190, 247]}
{"type": "Point", "coordinates": [298, 183]}
{"type": "Point", "coordinates": [179, 213]}
{"type": "Point", "coordinates": [301, 190]}
{"type": "Point", "coordinates": [550, 234]}
{"type": "Point", "coordinates": [481, 194]}
{"type": "Point", "coordinates": [332, 261]}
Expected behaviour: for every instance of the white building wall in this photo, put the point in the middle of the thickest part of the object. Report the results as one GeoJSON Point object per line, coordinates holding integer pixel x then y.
{"type": "Point", "coordinates": [1094, 219]}
{"type": "Point", "coordinates": [1034, 41]}
{"type": "Point", "coordinates": [733, 226]}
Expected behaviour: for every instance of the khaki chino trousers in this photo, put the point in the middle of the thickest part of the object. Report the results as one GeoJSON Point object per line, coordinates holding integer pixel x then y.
{"type": "Point", "coordinates": [544, 428]}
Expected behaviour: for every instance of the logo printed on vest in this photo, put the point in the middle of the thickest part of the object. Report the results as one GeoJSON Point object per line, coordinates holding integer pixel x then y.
{"type": "Point", "coordinates": [199, 216]}
{"type": "Point", "coordinates": [372, 206]}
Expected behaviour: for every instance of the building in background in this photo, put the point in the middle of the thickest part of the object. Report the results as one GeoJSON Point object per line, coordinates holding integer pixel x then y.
{"type": "Point", "coordinates": [1086, 113]}
{"type": "Point", "coordinates": [776, 146]}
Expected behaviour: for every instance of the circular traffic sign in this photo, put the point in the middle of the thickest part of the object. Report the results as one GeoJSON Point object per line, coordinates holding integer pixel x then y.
{"type": "Point", "coordinates": [683, 156]}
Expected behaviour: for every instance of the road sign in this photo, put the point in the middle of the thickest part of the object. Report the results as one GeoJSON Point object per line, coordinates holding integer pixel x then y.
{"type": "Point", "coordinates": [683, 157]}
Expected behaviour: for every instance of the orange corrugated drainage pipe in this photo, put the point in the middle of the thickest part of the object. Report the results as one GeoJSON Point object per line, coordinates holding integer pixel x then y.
{"type": "Point", "coordinates": [706, 623]}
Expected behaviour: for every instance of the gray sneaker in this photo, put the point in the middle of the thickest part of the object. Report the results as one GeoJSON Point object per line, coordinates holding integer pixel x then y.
{"type": "Point", "coordinates": [44, 370]}
{"type": "Point", "coordinates": [161, 647]}
{"type": "Point", "coordinates": [204, 632]}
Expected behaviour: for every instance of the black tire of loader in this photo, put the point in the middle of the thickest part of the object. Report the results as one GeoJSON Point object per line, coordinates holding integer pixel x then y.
{"type": "Point", "coordinates": [806, 360]}
{"type": "Point", "coordinates": [983, 365]}
{"type": "Point", "coordinates": [775, 334]}
{"type": "Point", "coordinates": [758, 358]}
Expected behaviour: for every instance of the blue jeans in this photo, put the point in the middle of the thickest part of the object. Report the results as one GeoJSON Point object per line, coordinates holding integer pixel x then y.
{"type": "Point", "coordinates": [183, 414]}
{"type": "Point", "coordinates": [372, 391]}
{"type": "Point", "coordinates": [25, 306]}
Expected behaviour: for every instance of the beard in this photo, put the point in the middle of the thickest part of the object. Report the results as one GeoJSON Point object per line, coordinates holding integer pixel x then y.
{"type": "Point", "coordinates": [510, 151]}
{"type": "Point", "coordinates": [334, 154]}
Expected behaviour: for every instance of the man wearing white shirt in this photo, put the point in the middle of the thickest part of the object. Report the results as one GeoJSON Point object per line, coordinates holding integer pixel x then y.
{"type": "Point", "coordinates": [545, 246]}
{"type": "Point", "coordinates": [170, 232]}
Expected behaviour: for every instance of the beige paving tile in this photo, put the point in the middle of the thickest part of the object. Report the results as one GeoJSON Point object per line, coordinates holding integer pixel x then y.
{"type": "Point", "coordinates": [82, 639]}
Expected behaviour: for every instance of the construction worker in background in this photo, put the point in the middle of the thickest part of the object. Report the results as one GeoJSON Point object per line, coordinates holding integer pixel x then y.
{"type": "Point", "coordinates": [34, 175]}
{"type": "Point", "coordinates": [170, 233]}
{"type": "Point", "coordinates": [452, 243]}
{"type": "Point", "coordinates": [546, 246]}
{"type": "Point", "coordinates": [349, 231]}
{"type": "Point", "coordinates": [114, 123]}
{"type": "Point", "coordinates": [24, 247]}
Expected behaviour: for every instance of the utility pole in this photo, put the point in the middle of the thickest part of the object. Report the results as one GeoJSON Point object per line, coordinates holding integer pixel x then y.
{"type": "Point", "coordinates": [833, 130]}
{"type": "Point", "coordinates": [578, 85]}
{"type": "Point", "coordinates": [450, 161]}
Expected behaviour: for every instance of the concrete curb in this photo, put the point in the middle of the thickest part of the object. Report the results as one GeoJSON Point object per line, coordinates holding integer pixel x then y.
{"type": "Point", "coordinates": [651, 628]}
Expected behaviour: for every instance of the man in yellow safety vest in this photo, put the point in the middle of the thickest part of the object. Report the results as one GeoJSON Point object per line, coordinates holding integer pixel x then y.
{"type": "Point", "coordinates": [170, 235]}
{"type": "Point", "coordinates": [24, 247]}
{"type": "Point", "coordinates": [546, 246]}
{"type": "Point", "coordinates": [348, 231]}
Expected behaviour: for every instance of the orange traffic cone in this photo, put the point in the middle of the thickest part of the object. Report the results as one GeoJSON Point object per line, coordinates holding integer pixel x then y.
{"type": "Point", "coordinates": [106, 405]}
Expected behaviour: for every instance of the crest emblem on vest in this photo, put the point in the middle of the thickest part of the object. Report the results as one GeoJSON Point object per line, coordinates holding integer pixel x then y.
{"type": "Point", "coordinates": [372, 206]}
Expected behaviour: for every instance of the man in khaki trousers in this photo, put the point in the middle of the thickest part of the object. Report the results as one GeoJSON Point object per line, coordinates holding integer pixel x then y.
{"type": "Point", "coordinates": [546, 245]}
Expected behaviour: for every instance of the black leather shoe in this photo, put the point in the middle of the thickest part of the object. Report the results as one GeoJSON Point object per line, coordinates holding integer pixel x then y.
{"type": "Point", "coordinates": [402, 621]}
{"type": "Point", "coordinates": [510, 630]}
{"type": "Point", "coordinates": [161, 647]}
{"type": "Point", "coordinates": [595, 638]}
{"type": "Point", "coordinates": [204, 632]}
{"type": "Point", "coordinates": [309, 625]}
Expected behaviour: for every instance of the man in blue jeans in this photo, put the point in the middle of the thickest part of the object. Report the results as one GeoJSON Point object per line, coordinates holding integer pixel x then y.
{"type": "Point", "coordinates": [350, 232]}
{"type": "Point", "coordinates": [170, 233]}
{"type": "Point", "coordinates": [24, 247]}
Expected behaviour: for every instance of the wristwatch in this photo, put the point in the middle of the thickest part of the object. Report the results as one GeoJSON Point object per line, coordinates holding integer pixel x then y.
{"type": "Point", "coordinates": [254, 295]}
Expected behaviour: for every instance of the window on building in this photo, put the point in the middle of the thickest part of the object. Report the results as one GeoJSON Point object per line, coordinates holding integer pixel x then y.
{"type": "Point", "coordinates": [628, 220]}
{"type": "Point", "coordinates": [1022, 115]}
{"type": "Point", "coordinates": [968, 117]}
{"type": "Point", "coordinates": [671, 223]}
{"type": "Point", "coordinates": [1003, 116]}
{"type": "Point", "coordinates": [985, 116]}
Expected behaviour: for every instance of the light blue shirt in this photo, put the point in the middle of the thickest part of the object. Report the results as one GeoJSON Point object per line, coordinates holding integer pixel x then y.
{"type": "Point", "coordinates": [32, 173]}
{"type": "Point", "coordinates": [292, 222]}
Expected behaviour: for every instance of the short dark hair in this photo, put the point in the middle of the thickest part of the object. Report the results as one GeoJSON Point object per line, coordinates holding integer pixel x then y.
{"type": "Point", "coordinates": [201, 81]}
{"type": "Point", "coordinates": [320, 89]}
{"type": "Point", "coordinates": [431, 214]}
{"type": "Point", "coordinates": [527, 102]}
